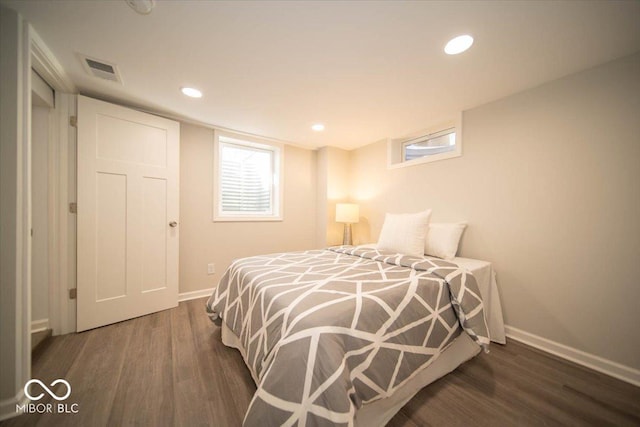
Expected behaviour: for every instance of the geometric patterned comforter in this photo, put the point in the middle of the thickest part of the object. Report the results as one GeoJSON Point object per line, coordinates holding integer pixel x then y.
{"type": "Point", "coordinates": [325, 331]}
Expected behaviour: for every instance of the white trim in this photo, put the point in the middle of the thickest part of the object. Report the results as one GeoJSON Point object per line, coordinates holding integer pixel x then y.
{"type": "Point", "coordinates": [277, 196]}
{"type": "Point", "coordinates": [47, 66]}
{"type": "Point", "coordinates": [395, 147]}
{"type": "Point", "coordinates": [62, 231]}
{"type": "Point", "coordinates": [39, 325]}
{"type": "Point", "coordinates": [53, 191]}
{"type": "Point", "coordinates": [61, 223]}
{"type": "Point", "coordinates": [597, 363]}
{"type": "Point", "coordinates": [62, 139]}
{"type": "Point", "coordinates": [186, 296]}
{"type": "Point", "coordinates": [427, 159]}
{"type": "Point", "coordinates": [24, 227]}
{"type": "Point", "coordinates": [42, 90]}
{"type": "Point", "coordinates": [8, 406]}
{"type": "Point", "coordinates": [16, 305]}
{"type": "Point", "coordinates": [16, 213]}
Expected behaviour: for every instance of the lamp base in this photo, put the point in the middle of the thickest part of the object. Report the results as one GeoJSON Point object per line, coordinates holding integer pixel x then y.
{"type": "Point", "coordinates": [346, 237]}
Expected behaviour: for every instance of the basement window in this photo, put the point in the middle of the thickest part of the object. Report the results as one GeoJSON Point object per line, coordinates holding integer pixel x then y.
{"type": "Point", "coordinates": [247, 175]}
{"type": "Point", "coordinates": [429, 145]}
{"type": "Point", "coordinates": [437, 143]}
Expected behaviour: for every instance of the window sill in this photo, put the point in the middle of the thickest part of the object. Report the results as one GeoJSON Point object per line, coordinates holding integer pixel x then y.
{"type": "Point", "coordinates": [247, 219]}
{"type": "Point", "coordinates": [395, 152]}
{"type": "Point", "coordinates": [426, 159]}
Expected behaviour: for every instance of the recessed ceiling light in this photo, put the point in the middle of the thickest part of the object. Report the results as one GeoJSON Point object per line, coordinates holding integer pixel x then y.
{"type": "Point", "coordinates": [143, 7]}
{"type": "Point", "coordinates": [318, 127]}
{"type": "Point", "coordinates": [191, 92]}
{"type": "Point", "coordinates": [458, 44]}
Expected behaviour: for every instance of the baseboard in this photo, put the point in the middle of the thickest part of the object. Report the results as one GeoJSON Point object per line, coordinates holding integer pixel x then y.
{"type": "Point", "coordinates": [597, 363]}
{"type": "Point", "coordinates": [8, 406]}
{"type": "Point", "coordinates": [186, 296]}
{"type": "Point", "coordinates": [39, 325]}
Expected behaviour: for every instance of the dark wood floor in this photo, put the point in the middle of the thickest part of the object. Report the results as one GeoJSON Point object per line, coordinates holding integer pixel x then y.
{"type": "Point", "coordinates": [170, 368]}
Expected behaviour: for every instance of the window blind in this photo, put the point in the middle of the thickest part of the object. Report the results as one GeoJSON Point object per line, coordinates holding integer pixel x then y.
{"type": "Point", "coordinates": [246, 180]}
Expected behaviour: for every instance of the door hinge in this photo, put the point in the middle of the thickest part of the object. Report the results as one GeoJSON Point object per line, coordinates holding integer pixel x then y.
{"type": "Point", "coordinates": [73, 207]}
{"type": "Point", "coordinates": [73, 121]}
{"type": "Point", "coordinates": [73, 293]}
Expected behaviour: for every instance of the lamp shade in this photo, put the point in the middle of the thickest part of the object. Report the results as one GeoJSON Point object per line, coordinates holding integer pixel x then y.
{"type": "Point", "coordinates": [347, 212]}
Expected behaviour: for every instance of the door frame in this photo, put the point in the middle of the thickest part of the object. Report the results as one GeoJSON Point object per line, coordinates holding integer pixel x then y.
{"type": "Point", "coordinates": [16, 337]}
{"type": "Point", "coordinates": [32, 52]}
{"type": "Point", "coordinates": [62, 186]}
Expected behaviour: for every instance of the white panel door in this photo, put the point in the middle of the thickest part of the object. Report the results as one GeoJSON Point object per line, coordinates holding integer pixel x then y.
{"type": "Point", "coordinates": [127, 213]}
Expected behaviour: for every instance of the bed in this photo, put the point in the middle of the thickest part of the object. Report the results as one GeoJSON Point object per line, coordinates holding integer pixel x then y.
{"type": "Point", "coordinates": [346, 335]}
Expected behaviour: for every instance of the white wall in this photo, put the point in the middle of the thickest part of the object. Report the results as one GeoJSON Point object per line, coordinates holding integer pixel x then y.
{"type": "Point", "coordinates": [40, 213]}
{"type": "Point", "coordinates": [15, 352]}
{"type": "Point", "coordinates": [549, 184]}
{"type": "Point", "coordinates": [203, 241]}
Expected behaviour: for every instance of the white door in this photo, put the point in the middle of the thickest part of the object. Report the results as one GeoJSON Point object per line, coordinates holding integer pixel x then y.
{"type": "Point", "coordinates": [127, 213]}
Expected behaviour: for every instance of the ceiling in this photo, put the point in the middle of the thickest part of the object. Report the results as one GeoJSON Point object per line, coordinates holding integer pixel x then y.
{"type": "Point", "coordinates": [367, 70]}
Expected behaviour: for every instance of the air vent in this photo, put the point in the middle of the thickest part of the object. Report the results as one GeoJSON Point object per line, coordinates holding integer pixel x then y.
{"type": "Point", "coordinates": [101, 69]}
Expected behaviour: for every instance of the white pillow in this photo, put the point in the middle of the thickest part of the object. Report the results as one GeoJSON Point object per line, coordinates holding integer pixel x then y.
{"type": "Point", "coordinates": [404, 233]}
{"type": "Point", "coordinates": [443, 239]}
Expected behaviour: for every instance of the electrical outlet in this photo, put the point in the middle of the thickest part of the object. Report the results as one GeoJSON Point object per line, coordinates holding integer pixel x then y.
{"type": "Point", "coordinates": [211, 268]}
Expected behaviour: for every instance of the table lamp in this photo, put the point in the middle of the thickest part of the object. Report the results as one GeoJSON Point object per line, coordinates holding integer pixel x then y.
{"type": "Point", "coordinates": [348, 213]}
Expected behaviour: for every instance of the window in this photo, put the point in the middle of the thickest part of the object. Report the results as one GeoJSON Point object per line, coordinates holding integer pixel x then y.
{"type": "Point", "coordinates": [429, 145]}
{"type": "Point", "coordinates": [436, 143]}
{"type": "Point", "coordinates": [247, 174]}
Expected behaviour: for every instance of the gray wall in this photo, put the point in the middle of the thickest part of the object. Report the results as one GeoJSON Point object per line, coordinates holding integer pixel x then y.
{"type": "Point", "coordinates": [549, 182]}
{"type": "Point", "coordinates": [203, 241]}
{"type": "Point", "coordinates": [333, 188]}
